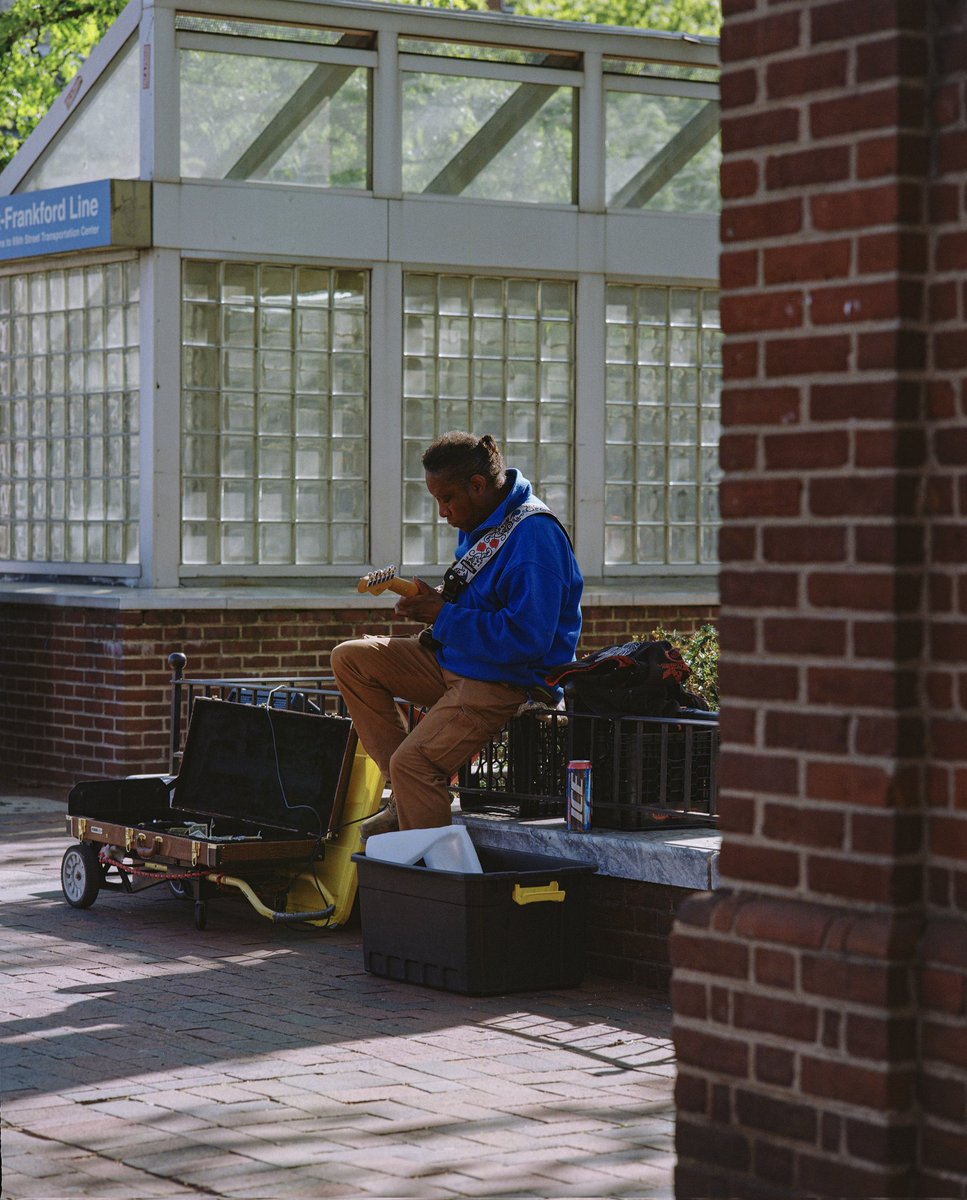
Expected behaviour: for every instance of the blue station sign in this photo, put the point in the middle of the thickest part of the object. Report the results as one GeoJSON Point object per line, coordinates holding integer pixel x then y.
{"type": "Point", "coordinates": [82, 216]}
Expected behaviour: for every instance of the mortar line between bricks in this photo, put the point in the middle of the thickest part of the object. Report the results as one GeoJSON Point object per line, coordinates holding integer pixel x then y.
{"type": "Point", "coordinates": [94, 1153]}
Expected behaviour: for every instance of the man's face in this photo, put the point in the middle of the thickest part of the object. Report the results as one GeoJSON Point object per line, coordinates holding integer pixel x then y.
{"type": "Point", "coordinates": [462, 504]}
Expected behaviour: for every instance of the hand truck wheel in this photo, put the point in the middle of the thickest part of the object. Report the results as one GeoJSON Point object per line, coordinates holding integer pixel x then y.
{"type": "Point", "coordinates": [81, 873]}
{"type": "Point", "coordinates": [201, 914]}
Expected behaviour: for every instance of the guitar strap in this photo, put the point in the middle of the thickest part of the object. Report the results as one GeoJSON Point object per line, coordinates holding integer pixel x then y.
{"type": "Point", "coordinates": [459, 576]}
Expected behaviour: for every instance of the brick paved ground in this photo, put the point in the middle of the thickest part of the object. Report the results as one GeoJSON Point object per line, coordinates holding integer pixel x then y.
{"type": "Point", "coordinates": [143, 1058]}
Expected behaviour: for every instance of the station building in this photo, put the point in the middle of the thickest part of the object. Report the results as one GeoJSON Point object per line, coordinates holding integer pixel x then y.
{"type": "Point", "coordinates": [257, 256]}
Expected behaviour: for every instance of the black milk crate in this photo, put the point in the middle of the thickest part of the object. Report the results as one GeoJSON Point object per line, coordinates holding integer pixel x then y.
{"type": "Point", "coordinates": [522, 770]}
{"type": "Point", "coordinates": [649, 772]}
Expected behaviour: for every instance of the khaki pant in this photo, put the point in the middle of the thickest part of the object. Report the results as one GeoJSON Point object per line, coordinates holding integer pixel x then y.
{"type": "Point", "coordinates": [462, 714]}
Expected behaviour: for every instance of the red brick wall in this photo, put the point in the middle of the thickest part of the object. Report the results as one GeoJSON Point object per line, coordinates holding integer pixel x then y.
{"type": "Point", "coordinates": [86, 691]}
{"type": "Point", "coordinates": [818, 996]}
{"type": "Point", "coordinates": [629, 923]}
{"type": "Point", "coordinates": [942, 979]}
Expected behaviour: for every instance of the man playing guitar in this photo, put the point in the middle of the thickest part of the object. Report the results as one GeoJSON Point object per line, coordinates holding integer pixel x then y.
{"type": "Point", "coordinates": [508, 612]}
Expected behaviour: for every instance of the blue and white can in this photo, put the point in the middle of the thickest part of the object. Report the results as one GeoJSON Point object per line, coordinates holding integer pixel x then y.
{"type": "Point", "coordinates": [579, 796]}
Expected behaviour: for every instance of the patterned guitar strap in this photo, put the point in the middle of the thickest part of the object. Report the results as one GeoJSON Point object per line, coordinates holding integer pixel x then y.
{"type": "Point", "coordinates": [458, 577]}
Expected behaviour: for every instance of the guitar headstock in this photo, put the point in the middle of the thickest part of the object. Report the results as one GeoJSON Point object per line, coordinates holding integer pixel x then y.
{"type": "Point", "coordinates": [376, 582]}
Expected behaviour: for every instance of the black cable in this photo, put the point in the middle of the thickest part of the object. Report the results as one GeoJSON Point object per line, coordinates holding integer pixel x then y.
{"type": "Point", "coordinates": [359, 820]}
{"type": "Point", "coordinates": [345, 824]}
{"type": "Point", "coordinates": [320, 837]}
{"type": "Point", "coordinates": [278, 768]}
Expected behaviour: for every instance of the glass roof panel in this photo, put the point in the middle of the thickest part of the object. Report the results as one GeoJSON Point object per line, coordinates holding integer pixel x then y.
{"type": "Point", "coordinates": [101, 140]}
{"type": "Point", "coordinates": [235, 27]}
{"type": "Point", "coordinates": [656, 70]}
{"type": "Point", "coordinates": [488, 138]}
{"type": "Point", "coordinates": [663, 152]}
{"type": "Point", "coordinates": [244, 116]}
{"type": "Point", "coordinates": [480, 52]}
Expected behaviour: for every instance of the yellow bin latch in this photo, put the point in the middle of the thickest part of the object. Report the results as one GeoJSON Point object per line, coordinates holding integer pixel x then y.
{"type": "Point", "coordinates": [538, 895]}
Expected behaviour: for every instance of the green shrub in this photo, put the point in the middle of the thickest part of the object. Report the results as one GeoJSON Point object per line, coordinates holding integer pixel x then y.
{"type": "Point", "coordinates": [700, 650]}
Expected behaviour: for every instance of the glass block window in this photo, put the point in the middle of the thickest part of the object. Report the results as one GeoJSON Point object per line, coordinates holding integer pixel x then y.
{"type": "Point", "coordinates": [69, 400]}
{"type": "Point", "coordinates": [275, 414]}
{"type": "Point", "coordinates": [662, 426]}
{"type": "Point", "coordinates": [493, 356]}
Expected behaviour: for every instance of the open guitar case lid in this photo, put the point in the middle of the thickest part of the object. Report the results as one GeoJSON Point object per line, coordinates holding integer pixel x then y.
{"type": "Point", "coordinates": [268, 766]}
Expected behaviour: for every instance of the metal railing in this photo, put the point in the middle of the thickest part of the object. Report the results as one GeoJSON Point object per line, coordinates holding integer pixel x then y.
{"type": "Point", "coordinates": [310, 694]}
{"type": "Point", "coordinates": [646, 771]}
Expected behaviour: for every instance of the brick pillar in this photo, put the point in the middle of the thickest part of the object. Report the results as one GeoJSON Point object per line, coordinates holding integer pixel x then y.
{"type": "Point", "coordinates": [820, 997]}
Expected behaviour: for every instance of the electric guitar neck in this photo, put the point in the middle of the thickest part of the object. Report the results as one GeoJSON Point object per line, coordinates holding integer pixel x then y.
{"type": "Point", "coordinates": [377, 582]}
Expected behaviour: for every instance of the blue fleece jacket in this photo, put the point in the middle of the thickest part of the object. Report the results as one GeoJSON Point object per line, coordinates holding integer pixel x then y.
{"type": "Point", "coordinates": [521, 614]}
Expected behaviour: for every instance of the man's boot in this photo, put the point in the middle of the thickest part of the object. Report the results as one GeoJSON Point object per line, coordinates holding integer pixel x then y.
{"type": "Point", "coordinates": [385, 821]}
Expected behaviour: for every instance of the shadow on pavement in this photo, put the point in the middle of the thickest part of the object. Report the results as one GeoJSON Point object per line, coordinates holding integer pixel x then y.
{"type": "Point", "coordinates": [157, 995]}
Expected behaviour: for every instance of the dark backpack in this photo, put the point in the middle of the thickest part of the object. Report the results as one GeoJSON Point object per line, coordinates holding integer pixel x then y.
{"type": "Point", "coordinates": [637, 679]}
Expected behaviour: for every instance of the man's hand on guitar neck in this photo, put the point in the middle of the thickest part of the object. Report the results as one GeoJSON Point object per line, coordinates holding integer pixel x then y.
{"type": "Point", "coordinates": [425, 606]}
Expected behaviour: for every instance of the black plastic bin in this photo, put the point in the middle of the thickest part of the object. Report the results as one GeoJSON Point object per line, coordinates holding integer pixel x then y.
{"type": "Point", "coordinates": [517, 927]}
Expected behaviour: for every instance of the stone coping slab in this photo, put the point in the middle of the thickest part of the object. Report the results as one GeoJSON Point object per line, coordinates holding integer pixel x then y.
{"type": "Point", "coordinates": [685, 858]}
{"type": "Point", "coordinates": [319, 594]}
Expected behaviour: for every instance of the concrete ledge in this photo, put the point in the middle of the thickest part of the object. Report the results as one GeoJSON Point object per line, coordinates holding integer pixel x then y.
{"type": "Point", "coordinates": [318, 594]}
{"type": "Point", "coordinates": [685, 858]}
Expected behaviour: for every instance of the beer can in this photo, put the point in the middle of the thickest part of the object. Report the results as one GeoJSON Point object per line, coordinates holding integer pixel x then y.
{"type": "Point", "coordinates": [579, 795]}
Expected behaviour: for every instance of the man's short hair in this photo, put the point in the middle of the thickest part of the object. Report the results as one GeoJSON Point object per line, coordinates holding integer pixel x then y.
{"type": "Point", "coordinates": [463, 455]}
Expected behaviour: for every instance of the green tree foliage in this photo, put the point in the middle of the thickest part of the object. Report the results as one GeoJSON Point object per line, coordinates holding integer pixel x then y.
{"type": "Point", "coordinates": [42, 46]}
{"type": "Point", "coordinates": [682, 16]}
